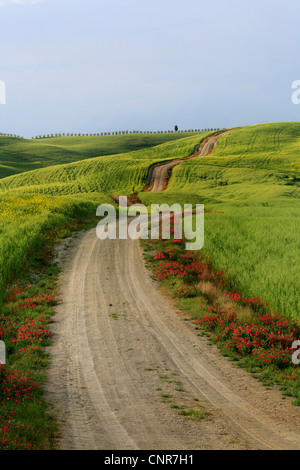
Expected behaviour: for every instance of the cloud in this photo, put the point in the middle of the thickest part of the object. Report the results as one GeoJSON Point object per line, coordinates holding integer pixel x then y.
{"type": "Point", "coordinates": [18, 2]}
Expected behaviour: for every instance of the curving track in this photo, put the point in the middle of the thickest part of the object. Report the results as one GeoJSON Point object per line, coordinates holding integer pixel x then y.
{"type": "Point", "coordinates": [118, 340]}
{"type": "Point", "coordinates": [160, 173]}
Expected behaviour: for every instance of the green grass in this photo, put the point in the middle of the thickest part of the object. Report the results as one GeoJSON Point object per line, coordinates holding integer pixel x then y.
{"type": "Point", "coordinates": [28, 222]}
{"type": "Point", "coordinates": [108, 174]}
{"type": "Point", "coordinates": [255, 164]}
{"type": "Point", "coordinates": [272, 146]}
{"type": "Point", "coordinates": [195, 414]}
{"type": "Point", "coordinates": [258, 247]}
{"type": "Point", "coordinates": [20, 155]}
{"type": "Point", "coordinates": [250, 188]}
{"type": "Point", "coordinates": [26, 420]}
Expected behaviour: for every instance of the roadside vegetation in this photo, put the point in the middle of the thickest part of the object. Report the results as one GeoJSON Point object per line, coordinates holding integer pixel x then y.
{"type": "Point", "coordinates": [246, 330]}
{"type": "Point", "coordinates": [30, 226]}
{"type": "Point", "coordinates": [25, 419]}
{"type": "Point", "coordinates": [28, 221]}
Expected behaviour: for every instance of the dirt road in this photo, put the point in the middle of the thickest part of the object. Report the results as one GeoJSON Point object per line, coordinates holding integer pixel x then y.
{"type": "Point", "coordinates": [159, 173]}
{"type": "Point", "coordinates": [124, 362]}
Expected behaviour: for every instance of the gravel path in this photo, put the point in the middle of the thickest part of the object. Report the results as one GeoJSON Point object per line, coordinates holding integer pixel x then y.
{"type": "Point", "coordinates": [122, 355]}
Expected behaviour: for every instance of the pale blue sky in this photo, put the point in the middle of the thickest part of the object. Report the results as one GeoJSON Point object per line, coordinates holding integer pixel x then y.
{"type": "Point", "coordinates": [106, 65]}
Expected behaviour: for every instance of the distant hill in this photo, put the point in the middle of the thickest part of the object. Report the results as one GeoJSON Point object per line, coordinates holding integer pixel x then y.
{"type": "Point", "coordinates": [18, 155]}
{"type": "Point", "coordinates": [107, 174]}
{"type": "Point", "coordinates": [258, 163]}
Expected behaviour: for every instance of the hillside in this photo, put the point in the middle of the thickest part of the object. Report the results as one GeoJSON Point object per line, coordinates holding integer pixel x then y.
{"type": "Point", "coordinates": [107, 174]}
{"type": "Point", "coordinates": [255, 164]}
{"type": "Point", "coordinates": [19, 155]}
{"type": "Point", "coordinates": [250, 186]}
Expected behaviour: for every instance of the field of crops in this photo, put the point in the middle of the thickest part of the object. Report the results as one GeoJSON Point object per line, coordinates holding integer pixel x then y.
{"type": "Point", "coordinates": [18, 155]}
{"type": "Point", "coordinates": [27, 222]}
{"type": "Point", "coordinates": [250, 188]}
{"type": "Point", "coordinates": [108, 174]}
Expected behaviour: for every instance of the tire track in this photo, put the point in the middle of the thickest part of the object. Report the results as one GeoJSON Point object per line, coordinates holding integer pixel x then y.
{"type": "Point", "coordinates": [115, 334]}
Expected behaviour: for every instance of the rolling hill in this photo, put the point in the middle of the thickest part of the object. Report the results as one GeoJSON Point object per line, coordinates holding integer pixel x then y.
{"type": "Point", "coordinates": [108, 174]}
{"type": "Point", "coordinates": [249, 185]}
{"type": "Point", "coordinates": [18, 155]}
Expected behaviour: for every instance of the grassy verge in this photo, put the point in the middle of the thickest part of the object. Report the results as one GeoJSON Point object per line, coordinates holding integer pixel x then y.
{"type": "Point", "coordinates": [28, 305]}
{"type": "Point", "coordinates": [246, 330]}
{"type": "Point", "coordinates": [258, 247]}
{"type": "Point", "coordinates": [27, 222]}
{"type": "Point", "coordinates": [25, 420]}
